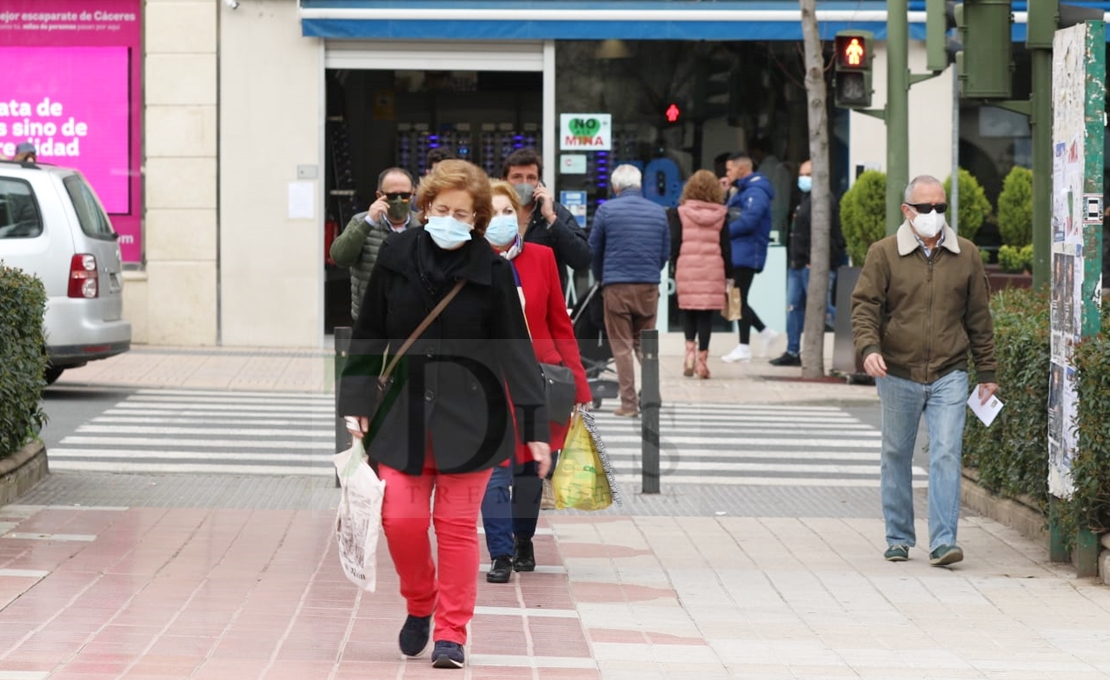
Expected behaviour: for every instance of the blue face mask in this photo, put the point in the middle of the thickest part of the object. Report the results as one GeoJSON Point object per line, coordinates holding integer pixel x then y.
{"type": "Point", "coordinates": [805, 183]}
{"type": "Point", "coordinates": [447, 232]}
{"type": "Point", "coordinates": [502, 230]}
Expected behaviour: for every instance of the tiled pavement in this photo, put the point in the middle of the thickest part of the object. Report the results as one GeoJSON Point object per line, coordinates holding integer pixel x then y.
{"type": "Point", "coordinates": [214, 578]}
{"type": "Point", "coordinates": [217, 594]}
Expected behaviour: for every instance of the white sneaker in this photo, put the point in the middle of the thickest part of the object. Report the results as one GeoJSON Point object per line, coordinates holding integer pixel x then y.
{"type": "Point", "coordinates": [739, 353]}
{"type": "Point", "coordinates": [766, 337]}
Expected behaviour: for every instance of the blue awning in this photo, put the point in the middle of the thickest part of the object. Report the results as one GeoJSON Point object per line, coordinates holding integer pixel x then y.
{"type": "Point", "coordinates": [587, 20]}
{"type": "Point", "coordinates": [603, 19]}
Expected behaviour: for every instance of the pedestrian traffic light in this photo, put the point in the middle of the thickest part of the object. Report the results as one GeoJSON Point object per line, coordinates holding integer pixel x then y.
{"type": "Point", "coordinates": [941, 46]}
{"type": "Point", "coordinates": [672, 113]}
{"type": "Point", "coordinates": [985, 62]}
{"type": "Point", "coordinates": [852, 64]}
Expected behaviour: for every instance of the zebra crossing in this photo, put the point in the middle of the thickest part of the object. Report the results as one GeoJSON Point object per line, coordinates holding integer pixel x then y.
{"type": "Point", "coordinates": [272, 433]}
{"type": "Point", "coordinates": [751, 445]}
{"type": "Point", "coordinates": [195, 431]}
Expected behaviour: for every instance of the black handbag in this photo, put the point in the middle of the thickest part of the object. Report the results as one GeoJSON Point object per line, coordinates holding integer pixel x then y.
{"type": "Point", "coordinates": [559, 391]}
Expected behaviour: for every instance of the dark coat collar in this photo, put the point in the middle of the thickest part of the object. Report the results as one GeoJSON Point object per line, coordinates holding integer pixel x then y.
{"type": "Point", "coordinates": [398, 254]}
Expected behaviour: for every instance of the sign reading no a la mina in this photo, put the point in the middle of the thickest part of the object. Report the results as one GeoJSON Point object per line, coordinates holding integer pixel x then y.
{"type": "Point", "coordinates": [586, 131]}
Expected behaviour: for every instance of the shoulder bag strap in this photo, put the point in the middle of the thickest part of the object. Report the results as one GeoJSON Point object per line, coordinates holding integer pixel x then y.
{"type": "Point", "coordinates": [423, 327]}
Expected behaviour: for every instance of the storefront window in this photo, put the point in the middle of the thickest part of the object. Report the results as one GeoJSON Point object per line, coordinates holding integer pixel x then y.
{"type": "Point", "coordinates": [673, 107]}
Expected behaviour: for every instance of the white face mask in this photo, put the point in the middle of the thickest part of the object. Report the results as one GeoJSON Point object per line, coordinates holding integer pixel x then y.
{"type": "Point", "coordinates": [502, 230]}
{"type": "Point", "coordinates": [929, 224]}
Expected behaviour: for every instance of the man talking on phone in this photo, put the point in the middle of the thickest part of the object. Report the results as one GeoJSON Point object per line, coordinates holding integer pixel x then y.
{"type": "Point", "coordinates": [543, 220]}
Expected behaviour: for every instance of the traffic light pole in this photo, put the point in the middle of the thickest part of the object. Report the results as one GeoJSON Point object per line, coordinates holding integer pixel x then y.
{"type": "Point", "coordinates": [897, 110]}
{"type": "Point", "coordinates": [1042, 166]}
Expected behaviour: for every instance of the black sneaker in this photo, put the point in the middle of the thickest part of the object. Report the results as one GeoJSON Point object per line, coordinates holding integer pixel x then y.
{"type": "Point", "coordinates": [787, 359]}
{"type": "Point", "coordinates": [501, 570]}
{"type": "Point", "coordinates": [524, 556]}
{"type": "Point", "coordinates": [448, 655]}
{"type": "Point", "coordinates": [414, 634]}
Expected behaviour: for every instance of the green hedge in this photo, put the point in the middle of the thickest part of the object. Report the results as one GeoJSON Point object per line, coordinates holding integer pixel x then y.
{"type": "Point", "coordinates": [1089, 506]}
{"type": "Point", "coordinates": [863, 214]}
{"type": "Point", "coordinates": [22, 304]}
{"type": "Point", "coordinates": [1012, 455]}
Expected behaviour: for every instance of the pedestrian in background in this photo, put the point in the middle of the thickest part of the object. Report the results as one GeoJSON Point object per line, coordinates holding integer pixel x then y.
{"type": "Point", "coordinates": [542, 220]}
{"type": "Point", "coordinates": [446, 422]}
{"type": "Point", "coordinates": [511, 505]}
{"type": "Point", "coordinates": [357, 247]}
{"type": "Point", "coordinates": [778, 174]}
{"type": "Point", "coordinates": [700, 269]}
{"type": "Point", "coordinates": [435, 155]}
{"type": "Point", "coordinates": [631, 244]}
{"type": "Point", "coordinates": [749, 228]}
{"type": "Point", "coordinates": [25, 152]}
{"type": "Point", "coordinates": [797, 272]}
{"type": "Point", "coordinates": [921, 304]}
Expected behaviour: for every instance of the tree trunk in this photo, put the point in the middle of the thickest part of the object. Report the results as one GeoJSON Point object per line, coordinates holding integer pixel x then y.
{"type": "Point", "coordinates": [813, 337]}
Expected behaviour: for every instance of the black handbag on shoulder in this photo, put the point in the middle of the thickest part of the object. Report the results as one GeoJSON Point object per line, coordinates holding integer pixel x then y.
{"type": "Point", "coordinates": [559, 391]}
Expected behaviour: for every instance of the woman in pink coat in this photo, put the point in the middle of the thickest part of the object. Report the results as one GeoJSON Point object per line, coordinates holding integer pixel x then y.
{"type": "Point", "coordinates": [700, 269]}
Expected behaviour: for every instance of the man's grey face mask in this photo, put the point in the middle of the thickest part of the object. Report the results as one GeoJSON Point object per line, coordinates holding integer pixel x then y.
{"type": "Point", "coordinates": [524, 192]}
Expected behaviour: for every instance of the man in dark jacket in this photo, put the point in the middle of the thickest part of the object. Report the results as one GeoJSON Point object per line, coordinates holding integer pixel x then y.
{"type": "Point", "coordinates": [749, 228]}
{"type": "Point", "coordinates": [357, 247]}
{"type": "Point", "coordinates": [797, 272]}
{"type": "Point", "coordinates": [548, 223]}
{"type": "Point", "coordinates": [631, 243]}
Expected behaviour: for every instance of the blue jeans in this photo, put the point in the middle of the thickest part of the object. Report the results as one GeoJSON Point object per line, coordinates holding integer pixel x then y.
{"type": "Point", "coordinates": [797, 284]}
{"type": "Point", "coordinates": [497, 513]}
{"type": "Point", "coordinates": [830, 303]}
{"type": "Point", "coordinates": [944, 403]}
{"type": "Point", "coordinates": [506, 513]}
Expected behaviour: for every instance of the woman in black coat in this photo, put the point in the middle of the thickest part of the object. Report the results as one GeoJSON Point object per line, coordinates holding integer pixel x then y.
{"type": "Point", "coordinates": [446, 422]}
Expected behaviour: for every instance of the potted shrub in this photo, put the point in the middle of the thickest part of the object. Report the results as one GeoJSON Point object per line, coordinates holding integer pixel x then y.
{"type": "Point", "coordinates": [863, 214]}
{"type": "Point", "coordinates": [1015, 208]}
{"type": "Point", "coordinates": [863, 221]}
{"type": "Point", "coordinates": [973, 205]}
{"type": "Point", "coordinates": [1015, 224]}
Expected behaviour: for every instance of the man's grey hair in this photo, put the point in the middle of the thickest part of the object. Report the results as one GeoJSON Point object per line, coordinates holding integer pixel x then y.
{"type": "Point", "coordinates": [626, 177]}
{"type": "Point", "coordinates": [920, 179]}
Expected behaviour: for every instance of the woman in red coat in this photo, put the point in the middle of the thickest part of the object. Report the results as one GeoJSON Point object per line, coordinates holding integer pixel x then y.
{"type": "Point", "coordinates": [510, 520]}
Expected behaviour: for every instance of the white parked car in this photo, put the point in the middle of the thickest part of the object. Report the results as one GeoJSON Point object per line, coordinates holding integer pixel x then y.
{"type": "Point", "coordinates": [53, 226]}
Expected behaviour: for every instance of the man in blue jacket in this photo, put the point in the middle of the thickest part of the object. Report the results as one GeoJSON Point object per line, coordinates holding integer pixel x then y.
{"type": "Point", "coordinates": [749, 228]}
{"type": "Point", "coordinates": [630, 243]}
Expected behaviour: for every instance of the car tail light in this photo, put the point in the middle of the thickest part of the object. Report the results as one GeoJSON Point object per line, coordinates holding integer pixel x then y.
{"type": "Point", "coordinates": [83, 279]}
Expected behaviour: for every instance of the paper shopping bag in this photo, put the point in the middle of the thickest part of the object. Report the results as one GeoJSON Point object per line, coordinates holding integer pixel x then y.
{"type": "Point", "coordinates": [733, 302]}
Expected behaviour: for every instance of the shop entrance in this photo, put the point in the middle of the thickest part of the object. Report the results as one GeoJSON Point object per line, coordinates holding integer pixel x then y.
{"type": "Point", "coordinates": [378, 119]}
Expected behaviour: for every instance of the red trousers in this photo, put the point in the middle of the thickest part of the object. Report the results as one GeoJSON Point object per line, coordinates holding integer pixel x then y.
{"type": "Point", "coordinates": [407, 512]}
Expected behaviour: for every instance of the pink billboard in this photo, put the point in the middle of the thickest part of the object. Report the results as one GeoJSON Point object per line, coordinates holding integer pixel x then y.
{"type": "Point", "coordinates": [71, 84]}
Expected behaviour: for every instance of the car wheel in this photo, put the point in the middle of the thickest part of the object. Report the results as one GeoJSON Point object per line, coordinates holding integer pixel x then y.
{"type": "Point", "coordinates": [52, 374]}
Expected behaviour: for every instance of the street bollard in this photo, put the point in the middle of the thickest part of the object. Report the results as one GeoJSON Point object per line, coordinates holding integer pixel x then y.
{"type": "Point", "coordinates": [650, 402]}
{"type": "Point", "coordinates": [342, 348]}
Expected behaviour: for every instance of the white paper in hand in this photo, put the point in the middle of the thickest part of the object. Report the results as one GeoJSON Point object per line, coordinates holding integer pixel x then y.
{"type": "Point", "coordinates": [987, 412]}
